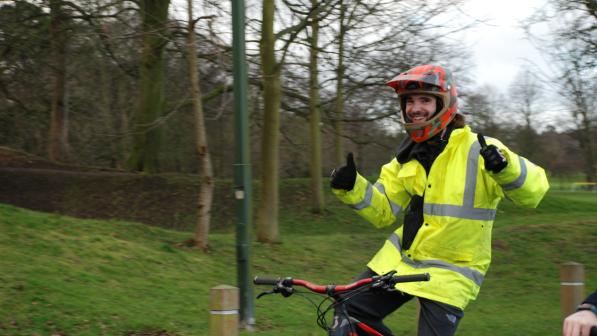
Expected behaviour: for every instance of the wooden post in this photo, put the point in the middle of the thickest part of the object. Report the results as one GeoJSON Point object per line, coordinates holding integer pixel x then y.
{"type": "Point", "coordinates": [572, 287]}
{"type": "Point", "coordinates": [223, 311]}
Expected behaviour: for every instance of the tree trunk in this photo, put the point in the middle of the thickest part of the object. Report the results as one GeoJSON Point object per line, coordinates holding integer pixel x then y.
{"type": "Point", "coordinates": [206, 180]}
{"type": "Point", "coordinates": [105, 110]}
{"type": "Point", "coordinates": [58, 134]}
{"type": "Point", "coordinates": [588, 148]}
{"type": "Point", "coordinates": [144, 156]}
{"type": "Point", "coordinates": [338, 124]}
{"type": "Point", "coordinates": [124, 128]}
{"type": "Point", "coordinates": [586, 138]}
{"type": "Point", "coordinates": [318, 202]}
{"type": "Point", "coordinates": [267, 213]}
{"type": "Point", "coordinates": [579, 96]}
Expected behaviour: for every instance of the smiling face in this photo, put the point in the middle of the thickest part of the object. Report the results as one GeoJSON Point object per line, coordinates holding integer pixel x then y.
{"type": "Point", "coordinates": [420, 107]}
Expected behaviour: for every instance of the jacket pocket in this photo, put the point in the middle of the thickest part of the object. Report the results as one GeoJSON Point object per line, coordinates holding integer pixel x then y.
{"type": "Point", "coordinates": [459, 256]}
{"type": "Point", "coordinates": [443, 253]}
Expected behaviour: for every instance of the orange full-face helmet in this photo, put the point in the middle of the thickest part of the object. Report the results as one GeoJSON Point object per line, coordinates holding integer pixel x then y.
{"type": "Point", "coordinates": [432, 80]}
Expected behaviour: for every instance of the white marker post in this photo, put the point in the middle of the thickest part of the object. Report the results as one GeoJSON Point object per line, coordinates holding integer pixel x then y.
{"type": "Point", "coordinates": [572, 287]}
{"type": "Point", "coordinates": [223, 311]}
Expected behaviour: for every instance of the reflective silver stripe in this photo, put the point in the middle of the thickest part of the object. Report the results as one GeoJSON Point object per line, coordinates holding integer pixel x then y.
{"type": "Point", "coordinates": [395, 240]}
{"type": "Point", "coordinates": [469, 273]}
{"type": "Point", "coordinates": [366, 201]}
{"type": "Point", "coordinates": [467, 210]}
{"type": "Point", "coordinates": [472, 167]}
{"type": "Point", "coordinates": [521, 178]}
{"type": "Point", "coordinates": [224, 312]}
{"type": "Point", "coordinates": [459, 211]}
{"type": "Point", "coordinates": [380, 187]}
{"type": "Point", "coordinates": [564, 283]}
{"type": "Point", "coordinates": [395, 207]}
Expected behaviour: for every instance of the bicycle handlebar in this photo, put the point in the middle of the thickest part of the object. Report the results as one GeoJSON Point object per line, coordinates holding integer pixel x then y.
{"type": "Point", "coordinates": [410, 278]}
{"type": "Point", "coordinates": [388, 279]}
{"type": "Point", "coordinates": [265, 281]}
{"type": "Point", "coordinates": [284, 286]}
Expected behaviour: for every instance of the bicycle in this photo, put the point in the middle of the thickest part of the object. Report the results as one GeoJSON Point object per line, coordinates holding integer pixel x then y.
{"type": "Point", "coordinates": [337, 295]}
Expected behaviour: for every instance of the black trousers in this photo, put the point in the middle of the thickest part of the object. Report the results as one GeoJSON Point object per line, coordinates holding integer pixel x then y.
{"type": "Point", "coordinates": [371, 307]}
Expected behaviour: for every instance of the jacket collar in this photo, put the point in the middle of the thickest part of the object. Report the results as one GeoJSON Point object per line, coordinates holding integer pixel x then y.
{"type": "Point", "coordinates": [408, 147]}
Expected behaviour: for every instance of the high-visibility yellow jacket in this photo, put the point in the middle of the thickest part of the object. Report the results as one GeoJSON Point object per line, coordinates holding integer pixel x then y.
{"type": "Point", "coordinates": [460, 199]}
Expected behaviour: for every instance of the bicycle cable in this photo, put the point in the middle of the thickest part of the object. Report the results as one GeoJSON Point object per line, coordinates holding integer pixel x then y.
{"type": "Point", "coordinates": [321, 320]}
{"type": "Point", "coordinates": [321, 314]}
{"type": "Point", "coordinates": [304, 295]}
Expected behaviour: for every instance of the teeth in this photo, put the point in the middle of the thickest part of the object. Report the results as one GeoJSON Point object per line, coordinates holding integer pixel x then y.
{"type": "Point", "coordinates": [418, 119]}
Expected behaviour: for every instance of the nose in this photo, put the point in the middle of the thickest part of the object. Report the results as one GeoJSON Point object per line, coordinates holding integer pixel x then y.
{"type": "Point", "coordinates": [416, 106]}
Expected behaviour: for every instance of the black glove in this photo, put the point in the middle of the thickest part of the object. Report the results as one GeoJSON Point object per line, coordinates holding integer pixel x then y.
{"type": "Point", "coordinates": [495, 161]}
{"type": "Point", "coordinates": [345, 176]}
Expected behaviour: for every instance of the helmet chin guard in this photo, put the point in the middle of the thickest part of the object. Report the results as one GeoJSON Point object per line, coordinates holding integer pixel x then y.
{"type": "Point", "coordinates": [430, 80]}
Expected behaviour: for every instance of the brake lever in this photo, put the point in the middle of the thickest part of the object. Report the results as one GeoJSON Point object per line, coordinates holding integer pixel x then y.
{"type": "Point", "coordinates": [285, 291]}
{"type": "Point", "coordinates": [381, 283]}
{"type": "Point", "coordinates": [265, 293]}
{"type": "Point", "coordinates": [382, 286]}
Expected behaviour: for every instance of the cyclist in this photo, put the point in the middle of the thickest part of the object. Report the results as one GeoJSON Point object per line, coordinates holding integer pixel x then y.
{"type": "Point", "coordinates": [585, 318]}
{"type": "Point", "coordinates": [449, 181]}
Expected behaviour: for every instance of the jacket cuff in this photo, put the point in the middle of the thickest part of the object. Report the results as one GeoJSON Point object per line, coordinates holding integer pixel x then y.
{"type": "Point", "coordinates": [592, 299]}
{"type": "Point", "coordinates": [354, 196]}
{"type": "Point", "coordinates": [513, 175]}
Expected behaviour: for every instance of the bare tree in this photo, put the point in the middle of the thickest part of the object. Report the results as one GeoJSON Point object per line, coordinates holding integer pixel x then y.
{"type": "Point", "coordinates": [482, 111]}
{"type": "Point", "coordinates": [206, 180]}
{"type": "Point", "coordinates": [58, 136]}
{"type": "Point", "coordinates": [378, 40]}
{"type": "Point", "coordinates": [144, 156]}
{"type": "Point", "coordinates": [318, 202]}
{"type": "Point", "coordinates": [340, 70]}
{"type": "Point", "coordinates": [525, 96]}
{"type": "Point", "coordinates": [571, 48]}
{"type": "Point", "coordinates": [267, 213]}
{"type": "Point", "coordinates": [578, 86]}
{"type": "Point", "coordinates": [525, 100]}
{"type": "Point", "coordinates": [271, 66]}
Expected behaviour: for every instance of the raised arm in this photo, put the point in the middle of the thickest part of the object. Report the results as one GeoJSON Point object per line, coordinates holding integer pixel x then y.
{"type": "Point", "coordinates": [521, 180]}
{"type": "Point", "coordinates": [378, 203]}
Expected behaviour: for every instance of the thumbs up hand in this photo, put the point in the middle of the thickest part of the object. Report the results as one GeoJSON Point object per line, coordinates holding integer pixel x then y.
{"type": "Point", "coordinates": [345, 176]}
{"type": "Point", "coordinates": [495, 161]}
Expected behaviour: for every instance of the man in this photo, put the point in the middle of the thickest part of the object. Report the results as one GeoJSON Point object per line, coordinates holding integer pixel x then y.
{"type": "Point", "coordinates": [584, 321]}
{"type": "Point", "coordinates": [450, 183]}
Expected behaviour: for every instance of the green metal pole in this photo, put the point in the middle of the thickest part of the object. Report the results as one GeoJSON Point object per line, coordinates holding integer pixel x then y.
{"type": "Point", "coordinates": [242, 168]}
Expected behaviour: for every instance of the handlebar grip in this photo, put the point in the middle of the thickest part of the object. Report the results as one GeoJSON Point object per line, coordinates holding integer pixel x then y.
{"type": "Point", "coordinates": [411, 278]}
{"type": "Point", "coordinates": [265, 281]}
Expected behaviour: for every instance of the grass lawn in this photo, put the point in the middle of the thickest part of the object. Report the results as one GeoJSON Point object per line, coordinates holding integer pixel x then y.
{"type": "Point", "coordinates": [65, 276]}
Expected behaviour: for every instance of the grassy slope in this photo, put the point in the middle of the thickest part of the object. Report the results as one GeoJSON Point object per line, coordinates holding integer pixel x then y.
{"type": "Point", "coordinates": [87, 277]}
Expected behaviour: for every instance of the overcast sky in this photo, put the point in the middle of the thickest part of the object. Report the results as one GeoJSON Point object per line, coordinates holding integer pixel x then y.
{"type": "Point", "coordinates": [500, 44]}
